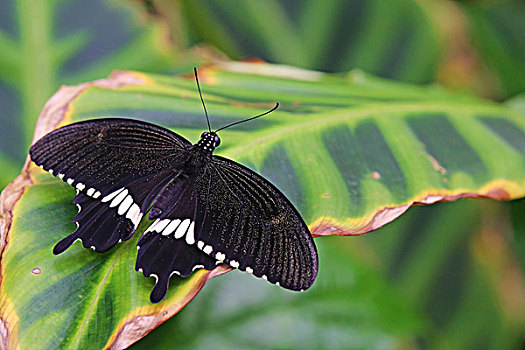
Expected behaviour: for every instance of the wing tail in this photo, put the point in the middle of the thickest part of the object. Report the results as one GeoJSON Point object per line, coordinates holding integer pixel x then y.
{"type": "Point", "coordinates": [162, 256]}
{"type": "Point", "coordinates": [99, 227]}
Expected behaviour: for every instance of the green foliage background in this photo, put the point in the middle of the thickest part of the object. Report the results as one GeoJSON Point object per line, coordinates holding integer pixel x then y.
{"type": "Point", "coordinates": [446, 276]}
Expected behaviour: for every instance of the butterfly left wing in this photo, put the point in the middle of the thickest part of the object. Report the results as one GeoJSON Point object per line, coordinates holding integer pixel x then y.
{"type": "Point", "coordinates": [103, 153]}
{"type": "Point", "coordinates": [105, 221]}
{"type": "Point", "coordinates": [117, 166]}
{"type": "Point", "coordinates": [243, 220]}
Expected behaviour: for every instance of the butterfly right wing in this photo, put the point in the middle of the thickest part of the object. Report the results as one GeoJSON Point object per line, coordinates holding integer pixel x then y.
{"type": "Point", "coordinates": [117, 167]}
{"type": "Point", "coordinates": [243, 220]}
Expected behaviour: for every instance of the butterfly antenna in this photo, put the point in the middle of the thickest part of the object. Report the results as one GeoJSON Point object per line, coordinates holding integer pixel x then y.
{"type": "Point", "coordinates": [245, 120]}
{"type": "Point", "coordinates": [202, 100]}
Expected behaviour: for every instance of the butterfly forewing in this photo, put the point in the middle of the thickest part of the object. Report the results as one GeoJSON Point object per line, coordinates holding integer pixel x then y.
{"type": "Point", "coordinates": [107, 152]}
{"type": "Point", "coordinates": [245, 221]}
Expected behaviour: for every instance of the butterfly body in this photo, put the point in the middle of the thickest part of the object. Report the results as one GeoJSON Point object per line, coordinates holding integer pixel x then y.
{"type": "Point", "coordinates": [206, 210]}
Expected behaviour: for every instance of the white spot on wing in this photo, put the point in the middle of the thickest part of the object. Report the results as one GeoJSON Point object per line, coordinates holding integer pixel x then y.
{"type": "Point", "coordinates": [190, 235]}
{"type": "Point", "coordinates": [51, 171]}
{"type": "Point", "coordinates": [181, 230]}
{"type": "Point", "coordinates": [171, 227]}
{"type": "Point", "coordinates": [97, 194]}
{"type": "Point", "coordinates": [90, 192]}
{"type": "Point", "coordinates": [162, 225]}
{"type": "Point", "coordinates": [70, 181]}
{"type": "Point", "coordinates": [61, 176]}
{"type": "Point", "coordinates": [234, 264]}
{"type": "Point", "coordinates": [264, 277]}
{"type": "Point", "coordinates": [200, 245]}
{"type": "Point", "coordinates": [119, 198]}
{"type": "Point", "coordinates": [80, 186]}
{"type": "Point", "coordinates": [249, 269]}
{"type": "Point", "coordinates": [220, 256]}
{"type": "Point", "coordinates": [208, 249]}
{"type": "Point", "coordinates": [111, 195]}
{"type": "Point", "coordinates": [151, 228]}
{"type": "Point", "coordinates": [124, 206]}
{"type": "Point", "coordinates": [134, 214]}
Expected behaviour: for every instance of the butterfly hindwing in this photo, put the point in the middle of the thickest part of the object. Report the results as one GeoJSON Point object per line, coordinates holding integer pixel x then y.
{"type": "Point", "coordinates": [108, 220]}
{"type": "Point", "coordinates": [162, 256]}
{"type": "Point", "coordinates": [245, 221]}
{"type": "Point", "coordinates": [167, 247]}
{"type": "Point", "coordinates": [98, 228]}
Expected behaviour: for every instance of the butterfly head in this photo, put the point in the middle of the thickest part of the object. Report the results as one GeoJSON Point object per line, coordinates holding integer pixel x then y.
{"type": "Point", "coordinates": [209, 141]}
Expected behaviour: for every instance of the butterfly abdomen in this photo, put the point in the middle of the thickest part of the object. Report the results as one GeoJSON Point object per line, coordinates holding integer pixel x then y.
{"type": "Point", "coordinates": [167, 198]}
{"type": "Point", "coordinates": [178, 190]}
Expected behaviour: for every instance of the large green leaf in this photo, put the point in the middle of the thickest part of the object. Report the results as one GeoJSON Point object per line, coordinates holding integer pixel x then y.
{"type": "Point", "coordinates": [46, 43]}
{"type": "Point", "coordinates": [353, 152]}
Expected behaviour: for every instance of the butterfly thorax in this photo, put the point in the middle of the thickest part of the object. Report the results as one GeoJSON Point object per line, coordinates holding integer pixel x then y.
{"type": "Point", "coordinates": [209, 141]}
{"type": "Point", "coordinates": [169, 194]}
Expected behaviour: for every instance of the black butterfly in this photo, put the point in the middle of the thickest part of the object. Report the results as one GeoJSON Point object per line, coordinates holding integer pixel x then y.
{"type": "Point", "coordinates": [208, 210]}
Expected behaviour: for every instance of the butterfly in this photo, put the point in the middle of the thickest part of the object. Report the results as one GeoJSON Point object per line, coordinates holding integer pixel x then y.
{"type": "Point", "coordinates": [207, 210]}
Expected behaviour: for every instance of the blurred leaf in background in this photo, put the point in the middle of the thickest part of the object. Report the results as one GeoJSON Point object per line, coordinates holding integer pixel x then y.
{"type": "Point", "coordinates": [395, 39]}
{"type": "Point", "coordinates": [497, 31]}
{"type": "Point", "coordinates": [46, 43]}
{"type": "Point", "coordinates": [472, 45]}
{"type": "Point", "coordinates": [518, 240]}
